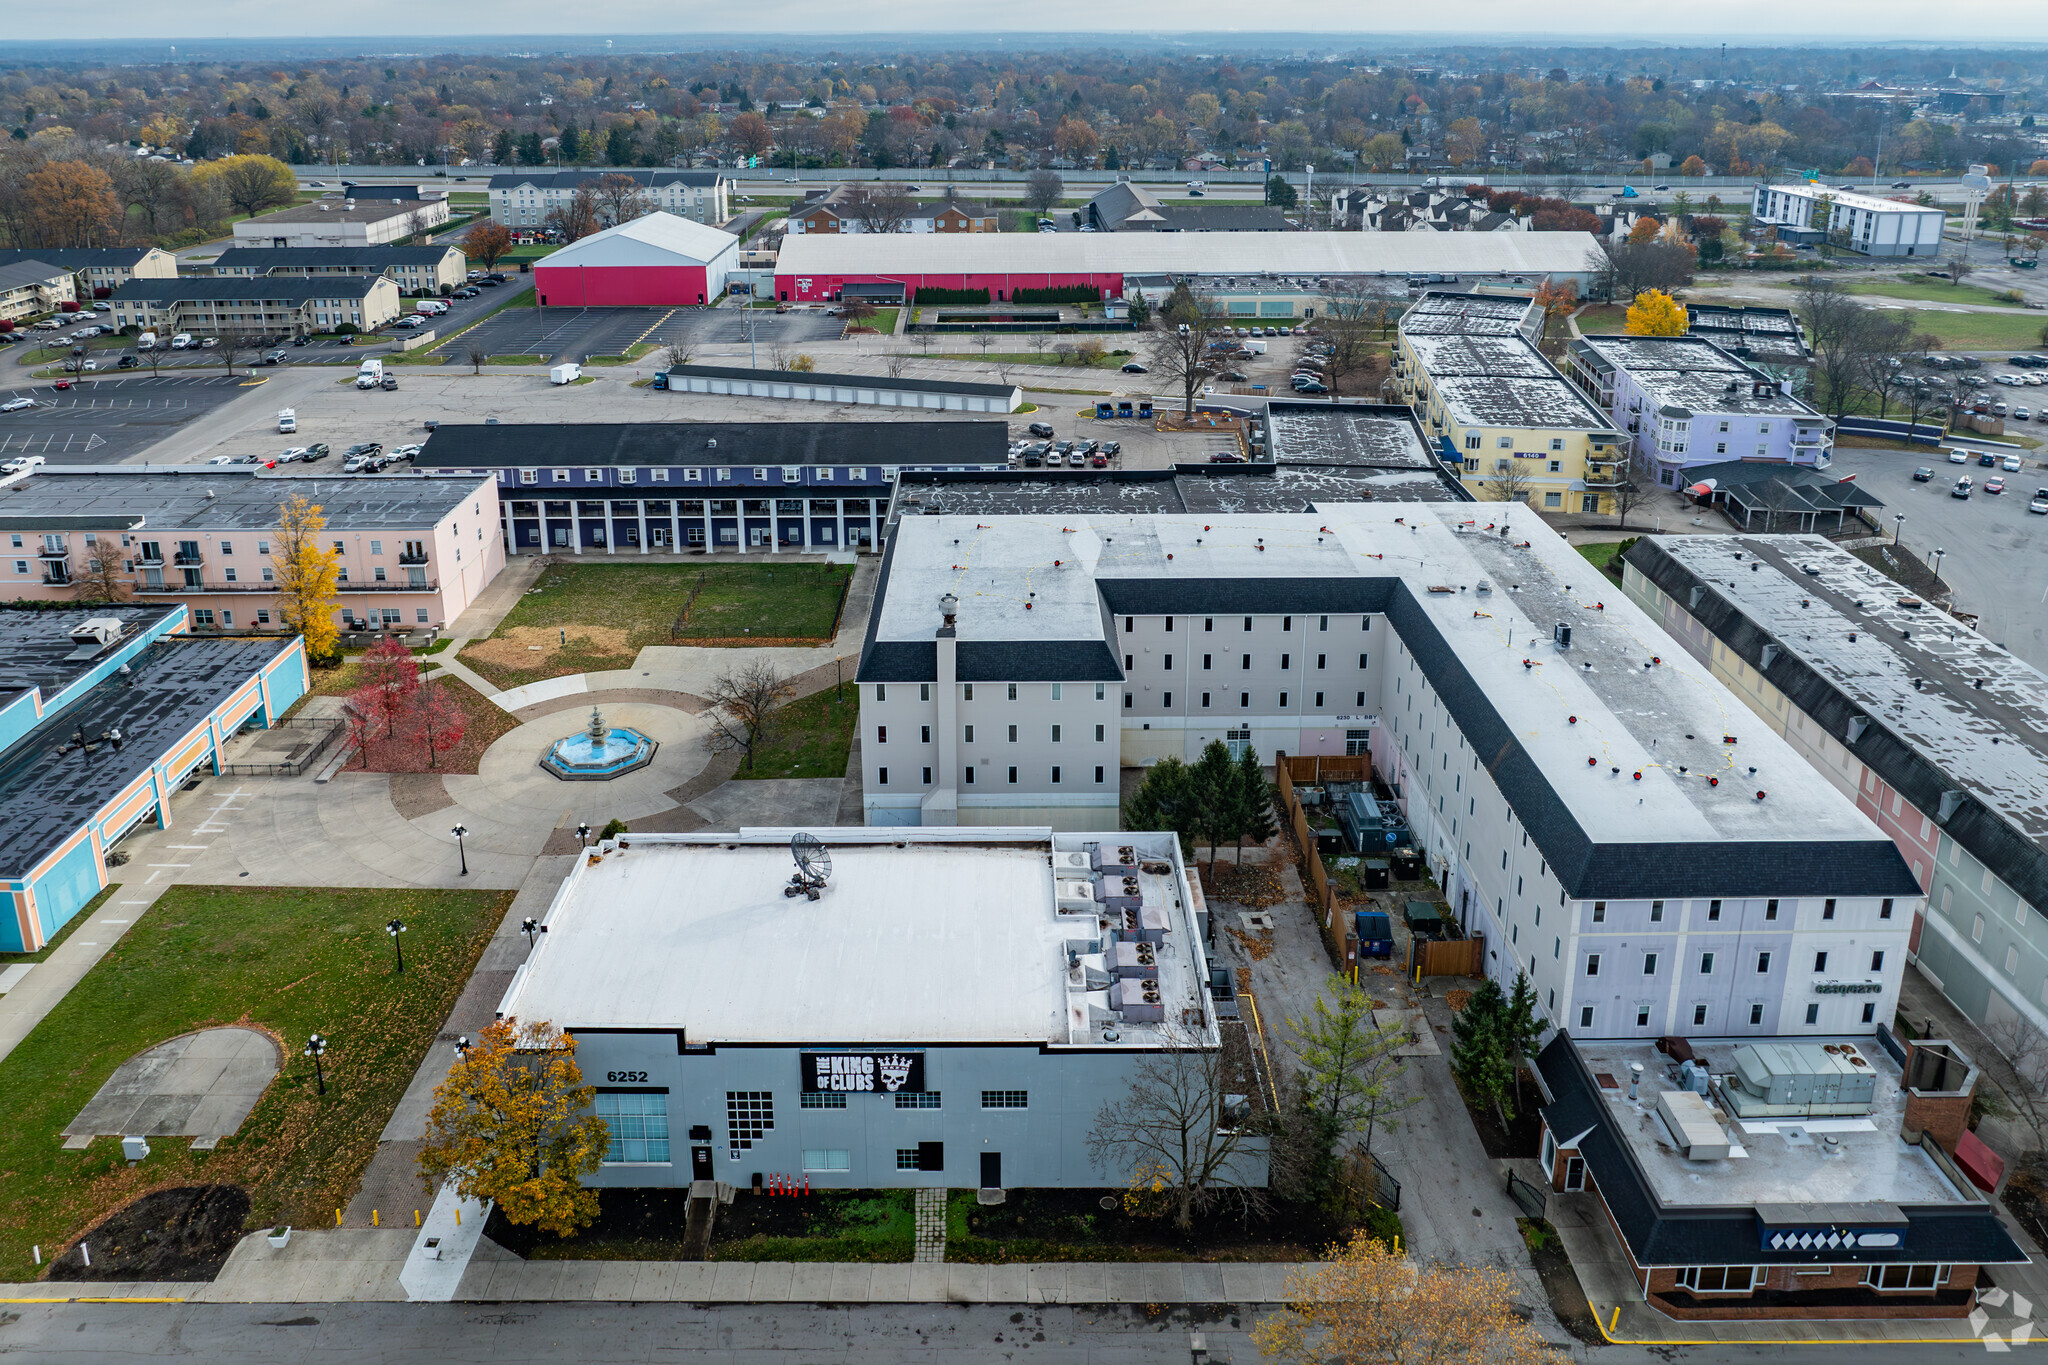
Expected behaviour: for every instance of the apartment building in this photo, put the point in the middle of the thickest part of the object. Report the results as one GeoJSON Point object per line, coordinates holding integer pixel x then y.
{"type": "Point", "coordinates": [414, 551]}
{"type": "Point", "coordinates": [1930, 728]}
{"type": "Point", "coordinates": [1650, 871]}
{"type": "Point", "coordinates": [32, 287]}
{"type": "Point", "coordinates": [101, 270]}
{"type": "Point", "coordinates": [523, 198]}
{"type": "Point", "coordinates": [1684, 402]}
{"type": "Point", "coordinates": [414, 269]}
{"type": "Point", "coordinates": [340, 221]}
{"type": "Point", "coordinates": [1860, 222]}
{"type": "Point", "coordinates": [1494, 404]}
{"type": "Point", "coordinates": [665, 487]}
{"type": "Point", "coordinates": [262, 306]}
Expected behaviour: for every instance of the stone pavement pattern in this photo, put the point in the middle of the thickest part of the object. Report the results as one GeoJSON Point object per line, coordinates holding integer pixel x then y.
{"type": "Point", "coordinates": [931, 1227]}
{"type": "Point", "coordinates": [201, 1085]}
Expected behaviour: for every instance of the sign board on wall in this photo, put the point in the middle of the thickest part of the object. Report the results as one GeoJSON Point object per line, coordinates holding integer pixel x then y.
{"type": "Point", "coordinates": [862, 1072]}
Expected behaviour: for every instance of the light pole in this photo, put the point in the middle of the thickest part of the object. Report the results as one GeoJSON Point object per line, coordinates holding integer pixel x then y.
{"type": "Point", "coordinates": [461, 852]}
{"type": "Point", "coordinates": [316, 1048]}
{"type": "Point", "coordinates": [462, 1048]}
{"type": "Point", "coordinates": [1898, 529]}
{"type": "Point", "coordinates": [1938, 553]}
{"type": "Point", "coordinates": [533, 929]}
{"type": "Point", "coordinates": [395, 928]}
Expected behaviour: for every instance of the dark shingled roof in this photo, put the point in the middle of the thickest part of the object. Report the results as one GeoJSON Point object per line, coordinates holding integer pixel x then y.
{"type": "Point", "coordinates": [172, 686]}
{"type": "Point", "coordinates": [1658, 1235]}
{"type": "Point", "coordinates": [477, 445]}
{"type": "Point", "coordinates": [268, 258]}
{"type": "Point", "coordinates": [289, 288]}
{"type": "Point", "coordinates": [77, 257]}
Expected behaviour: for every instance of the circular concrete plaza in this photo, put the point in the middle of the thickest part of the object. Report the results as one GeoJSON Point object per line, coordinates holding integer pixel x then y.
{"type": "Point", "coordinates": [513, 796]}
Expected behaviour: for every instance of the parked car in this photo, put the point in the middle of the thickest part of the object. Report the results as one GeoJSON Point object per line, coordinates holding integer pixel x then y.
{"type": "Point", "coordinates": [1099, 460]}
{"type": "Point", "coordinates": [1041, 429]}
{"type": "Point", "coordinates": [315, 451]}
{"type": "Point", "coordinates": [1234, 376]}
{"type": "Point", "coordinates": [1112, 448]}
{"type": "Point", "coordinates": [61, 384]}
{"type": "Point", "coordinates": [129, 362]}
{"type": "Point", "coordinates": [1987, 460]}
{"type": "Point", "coordinates": [17, 404]}
{"type": "Point", "coordinates": [291, 455]}
{"type": "Point", "coordinates": [1923, 474]}
{"type": "Point", "coordinates": [2039, 503]}
{"type": "Point", "coordinates": [2011, 463]}
{"type": "Point", "coordinates": [271, 358]}
{"type": "Point", "coordinates": [1133, 367]}
{"type": "Point", "coordinates": [1994, 485]}
{"type": "Point", "coordinates": [364, 448]}
{"type": "Point", "coordinates": [405, 452]}
{"type": "Point", "coordinates": [1962, 488]}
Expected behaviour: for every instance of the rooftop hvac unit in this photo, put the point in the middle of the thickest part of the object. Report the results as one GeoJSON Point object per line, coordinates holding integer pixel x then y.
{"type": "Point", "coordinates": [1139, 958]}
{"type": "Point", "coordinates": [1692, 1126]}
{"type": "Point", "coordinates": [1777, 1079]}
{"type": "Point", "coordinates": [1139, 1000]}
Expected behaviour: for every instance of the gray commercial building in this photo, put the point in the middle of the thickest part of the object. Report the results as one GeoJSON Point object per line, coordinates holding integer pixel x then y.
{"type": "Point", "coordinates": [953, 1008]}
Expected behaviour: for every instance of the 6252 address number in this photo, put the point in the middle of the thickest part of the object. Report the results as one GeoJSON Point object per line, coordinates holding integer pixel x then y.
{"type": "Point", "coordinates": [625, 1075]}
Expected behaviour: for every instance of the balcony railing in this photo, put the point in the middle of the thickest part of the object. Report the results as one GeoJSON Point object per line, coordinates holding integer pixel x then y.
{"type": "Point", "coordinates": [58, 579]}
{"type": "Point", "coordinates": [54, 552]}
{"type": "Point", "coordinates": [411, 558]}
{"type": "Point", "coordinates": [182, 590]}
{"type": "Point", "coordinates": [188, 559]}
{"type": "Point", "coordinates": [153, 559]}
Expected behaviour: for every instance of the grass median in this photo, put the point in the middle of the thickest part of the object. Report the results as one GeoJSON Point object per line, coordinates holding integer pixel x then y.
{"type": "Point", "coordinates": [286, 961]}
{"type": "Point", "coordinates": [809, 738]}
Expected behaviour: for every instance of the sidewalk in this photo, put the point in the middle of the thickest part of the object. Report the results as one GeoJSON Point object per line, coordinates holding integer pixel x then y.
{"type": "Point", "coordinates": [361, 1265]}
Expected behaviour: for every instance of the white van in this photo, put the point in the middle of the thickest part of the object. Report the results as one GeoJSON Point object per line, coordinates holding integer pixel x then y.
{"type": "Point", "coordinates": [146, 342]}
{"type": "Point", "coordinates": [287, 420]}
{"type": "Point", "coordinates": [369, 374]}
{"type": "Point", "coordinates": [181, 341]}
{"type": "Point", "coordinates": [565, 374]}
{"type": "Point", "coordinates": [431, 308]}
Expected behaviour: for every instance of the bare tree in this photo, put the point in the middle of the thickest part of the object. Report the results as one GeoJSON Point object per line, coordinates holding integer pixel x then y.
{"type": "Point", "coordinates": [1179, 347]}
{"type": "Point", "coordinates": [675, 355]}
{"type": "Point", "coordinates": [619, 198]}
{"type": "Point", "coordinates": [1509, 479]}
{"type": "Point", "coordinates": [1350, 315]}
{"type": "Point", "coordinates": [1173, 1132]}
{"type": "Point", "coordinates": [103, 576]}
{"type": "Point", "coordinates": [744, 700]}
{"type": "Point", "coordinates": [1844, 333]}
{"type": "Point", "coordinates": [778, 357]}
{"type": "Point", "coordinates": [239, 349]}
{"type": "Point", "coordinates": [1042, 189]}
{"type": "Point", "coordinates": [1638, 481]}
{"type": "Point", "coordinates": [1959, 266]}
{"type": "Point", "coordinates": [887, 209]}
{"type": "Point", "coordinates": [417, 226]}
{"type": "Point", "coordinates": [895, 362]}
{"type": "Point", "coordinates": [477, 356]}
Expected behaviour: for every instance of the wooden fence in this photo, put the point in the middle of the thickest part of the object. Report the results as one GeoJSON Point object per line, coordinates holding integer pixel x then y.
{"type": "Point", "coordinates": [1334, 926]}
{"type": "Point", "coordinates": [1453, 957]}
{"type": "Point", "coordinates": [1318, 768]}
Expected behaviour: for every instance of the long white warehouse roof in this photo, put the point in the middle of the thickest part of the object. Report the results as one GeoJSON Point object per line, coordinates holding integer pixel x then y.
{"type": "Point", "coordinates": [1191, 253]}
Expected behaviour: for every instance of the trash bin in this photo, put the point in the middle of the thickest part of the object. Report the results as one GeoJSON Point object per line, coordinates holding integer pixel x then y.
{"type": "Point", "coordinates": [1377, 874]}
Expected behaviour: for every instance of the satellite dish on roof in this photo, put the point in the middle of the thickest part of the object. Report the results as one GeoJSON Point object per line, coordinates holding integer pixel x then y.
{"type": "Point", "coordinates": [813, 866]}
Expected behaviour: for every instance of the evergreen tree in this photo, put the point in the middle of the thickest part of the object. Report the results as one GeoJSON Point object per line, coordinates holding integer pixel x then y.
{"type": "Point", "coordinates": [530, 152]}
{"type": "Point", "coordinates": [1479, 1051]}
{"type": "Point", "coordinates": [619, 146]}
{"type": "Point", "coordinates": [1162, 802]}
{"type": "Point", "coordinates": [570, 149]}
{"type": "Point", "coordinates": [501, 148]}
{"type": "Point", "coordinates": [1214, 791]}
{"type": "Point", "coordinates": [1110, 160]}
{"type": "Point", "coordinates": [1254, 802]}
{"type": "Point", "coordinates": [1520, 1026]}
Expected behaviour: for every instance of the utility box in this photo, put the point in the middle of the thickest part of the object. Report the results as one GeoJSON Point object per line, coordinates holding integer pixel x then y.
{"type": "Point", "coordinates": [134, 1148]}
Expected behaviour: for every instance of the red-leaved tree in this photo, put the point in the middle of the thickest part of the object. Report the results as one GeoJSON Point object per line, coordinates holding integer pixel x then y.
{"type": "Point", "coordinates": [391, 677]}
{"type": "Point", "coordinates": [435, 720]}
{"type": "Point", "coordinates": [359, 720]}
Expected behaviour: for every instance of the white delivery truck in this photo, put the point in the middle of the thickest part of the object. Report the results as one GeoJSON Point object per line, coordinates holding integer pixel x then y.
{"type": "Point", "coordinates": [146, 342]}
{"type": "Point", "coordinates": [369, 374]}
{"type": "Point", "coordinates": [565, 374]}
{"type": "Point", "coordinates": [1256, 347]}
{"type": "Point", "coordinates": [287, 419]}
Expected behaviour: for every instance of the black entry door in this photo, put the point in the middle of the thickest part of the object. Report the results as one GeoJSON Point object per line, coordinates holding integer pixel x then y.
{"type": "Point", "coordinates": [700, 1163]}
{"type": "Point", "coordinates": [991, 1170]}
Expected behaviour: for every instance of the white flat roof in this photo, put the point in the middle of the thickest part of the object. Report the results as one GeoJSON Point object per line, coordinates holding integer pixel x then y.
{"type": "Point", "coordinates": [1601, 698]}
{"type": "Point", "coordinates": [921, 935]}
{"type": "Point", "coordinates": [1142, 253]}
{"type": "Point", "coordinates": [1850, 200]}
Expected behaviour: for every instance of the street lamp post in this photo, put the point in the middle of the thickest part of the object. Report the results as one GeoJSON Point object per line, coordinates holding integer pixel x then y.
{"type": "Point", "coordinates": [1938, 553]}
{"type": "Point", "coordinates": [395, 928]}
{"type": "Point", "coordinates": [462, 1048]}
{"type": "Point", "coordinates": [460, 850]}
{"type": "Point", "coordinates": [316, 1048]}
{"type": "Point", "coordinates": [1898, 529]}
{"type": "Point", "coordinates": [533, 929]}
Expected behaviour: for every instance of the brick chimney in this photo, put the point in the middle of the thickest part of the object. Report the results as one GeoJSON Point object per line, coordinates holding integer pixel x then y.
{"type": "Point", "coordinates": [1938, 1082]}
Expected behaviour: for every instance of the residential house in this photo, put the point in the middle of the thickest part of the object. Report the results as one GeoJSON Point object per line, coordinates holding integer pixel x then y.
{"type": "Point", "coordinates": [32, 286]}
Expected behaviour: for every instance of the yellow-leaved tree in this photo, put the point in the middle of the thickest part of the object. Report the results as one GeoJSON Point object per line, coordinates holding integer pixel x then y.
{"type": "Point", "coordinates": [1364, 1302]}
{"type": "Point", "coordinates": [252, 184]}
{"type": "Point", "coordinates": [512, 1124]}
{"type": "Point", "coordinates": [1655, 314]}
{"type": "Point", "coordinates": [307, 572]}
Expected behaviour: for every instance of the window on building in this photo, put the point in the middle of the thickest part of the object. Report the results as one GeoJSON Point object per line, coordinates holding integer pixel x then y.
{"type": "Point", "coordinates": [967, 735]}
{"type": "Point", "coordinates": [1827, 908]}
{"type": "Point", "coordinates": [906, 1159]}
{"type": "Point", "coordinates": [1717, 1279]}
{"type": "Point", "coordinates": [826, 1159]}
{"type": "Point", "coordinates": [749, 1117]}
{"type": "Point", "coordinates": [918, 1099]}
{"type": "Point", "coordinates": [1599, 912]}
{"type": "Point", "coordinates": [638, 1125]}
{"type": "Point", "coordinates": [1098, 774]}
{"type": "Point", "coordinates": [1649, 964]}
{"type": "Point", "coordinates": [1585, 1016]}
{"type": "Point", "coordinates": [1906, 1276]}
{"type": "Point", "coordinates": [1884, 909]}
{"type": "Point", "coordinates": [1813, 1014]}
{"type": "Point", "coordinates": [822, 1099]}
{"type": "Point", "coordinates": [1820, 962]}
{"type": "Point", "coordinates": [1013, 774]}
{"type": "Point", "coordinates": [1756, 1015]}
{"type": "Point", "coordinates": [1713, 910]}
{"type": "Point", "coordinates": [1006, 1099]}
{"type": "Point", "coordinates": [1592, 964]}
{"type": "Point", "coordinates": [1706, 964]}
{"type": "Point", "coordinates": [1656, 912]}
{"type": "Point", "coordinates": [1699, 1015]}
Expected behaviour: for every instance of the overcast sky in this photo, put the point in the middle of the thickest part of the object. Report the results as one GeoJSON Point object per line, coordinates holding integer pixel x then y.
{"type": "Point", "coordinates": [384, 25]}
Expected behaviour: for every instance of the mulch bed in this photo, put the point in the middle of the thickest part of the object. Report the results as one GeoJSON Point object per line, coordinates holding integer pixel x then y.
{"type": "Point", "coordinates": [1560, 1282]}
{"type": "Point", "coordinates": [632, 1224]}
{"type": "Point", "coordinates": [487, 723]}
{"type": "Point", "coordinates": [1522, 1137]}
{"type": "Point", "coordinates": [184, 1233]}
{"type": "Point", "coordinates": [1071, 1224]}
{"type": "Point", "coordinates": [2026, 1198]}
{"type": "Point", "coordinates": [1253, 884]}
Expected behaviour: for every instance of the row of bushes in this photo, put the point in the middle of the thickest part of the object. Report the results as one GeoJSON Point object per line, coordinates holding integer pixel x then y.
{"type": "Point", "coordinates": [927, 295]}
{"type": "Point", "coordinates": [1066, 293]}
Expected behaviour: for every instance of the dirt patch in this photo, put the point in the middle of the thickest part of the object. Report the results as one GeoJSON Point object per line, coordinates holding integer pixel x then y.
{"type": "Point", "coordinates": [1560, 1282]}
{"type": "Point", "coordinates": [1457, 999]}
{"type": "Point", "coordinates": [529, 649]}
{"type": "Point", "coordinates": [2026, 1196]}
{"type": "Point", "coordinates": [1521, 1136]}
{"type": "Point", "coordinates": [417, 794]}
{"type": "Point", "coordinates": [1250, 885]}
{"type": "Point", "coordinates": [184, 1233]}
{"type": "Point", "coordinates": [1072, 1225]}
{"type": "Point", "coordinates": [1257, 947]}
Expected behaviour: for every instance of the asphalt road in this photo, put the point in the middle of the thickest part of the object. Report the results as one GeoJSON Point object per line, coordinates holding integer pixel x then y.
{"type": "Point", "coordinates": [573, 333]}
{"type": "Point", "coordinates": [104, 421]}
{"type": "Point", "coordinates": [1997, 558]}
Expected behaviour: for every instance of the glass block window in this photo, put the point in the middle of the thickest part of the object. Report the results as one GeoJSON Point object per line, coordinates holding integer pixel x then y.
{"type": "Point", "coordinates": [916, 1099]}
{"type": "Point", "coordinates": [749, 1117]}
{"type": "Point", "coordinates": [1006, 1099]}
{"type": "Point", "coordinates": [638, 1122]}
{"type": "Point", "coordinates": [822, 1099]}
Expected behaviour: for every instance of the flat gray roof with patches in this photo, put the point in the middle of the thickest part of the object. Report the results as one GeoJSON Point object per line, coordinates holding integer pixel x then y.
{"type": "Point", "coordinates": [1476, 400]}
{"type": "Point", "coordinates": [171, 498]}
{"type": "Point", "coordinates": [1469, 314]}
{"type": "Point", "coordinates": [1693, 373]}
{"type": "Point", "coordinates": [1488, 354]}
{"type": "Point", "coordinates": [1323, 433]}
{"type": "Point", "coordinates": [36, 648]}
{"type": "Point", "coordinates": [1239, 488]}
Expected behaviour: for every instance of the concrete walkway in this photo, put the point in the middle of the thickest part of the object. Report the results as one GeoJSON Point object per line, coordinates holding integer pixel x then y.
{"type": "Point", "coordinates": [362, 1264]}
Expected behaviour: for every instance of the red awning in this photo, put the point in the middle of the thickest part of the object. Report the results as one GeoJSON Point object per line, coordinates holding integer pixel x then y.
{"type": "Point", "coordinates": [1980, 1163]}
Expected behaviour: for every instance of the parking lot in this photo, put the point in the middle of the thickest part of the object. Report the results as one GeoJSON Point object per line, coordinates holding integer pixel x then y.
{"type": "Point", "coordinates": [100, 421]}
{"type": "Point", "coordinates": [573, 333]}
{"type": "Point", "coordinates": [1997, 558]}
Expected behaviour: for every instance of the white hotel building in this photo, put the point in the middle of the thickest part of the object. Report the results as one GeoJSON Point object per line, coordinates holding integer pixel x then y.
{"type": "Point", "coordinates": [1605, 812]}
{"type": "Point", "coordinates": [1873, 226]}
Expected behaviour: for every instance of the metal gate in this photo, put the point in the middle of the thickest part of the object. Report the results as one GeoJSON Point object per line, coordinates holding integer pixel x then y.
{"type": "Point", "coordinates": [1532, 1198]}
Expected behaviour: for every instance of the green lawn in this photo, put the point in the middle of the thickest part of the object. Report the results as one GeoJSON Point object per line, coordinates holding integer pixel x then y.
{"type": "Point", "coordinates": [517, 359]}
{"type": "Point", "coordinates": [1601, 556]}
{"type": "Point", "coordinates": [599, 616]}
{"type": "Point", "coordinates": [845, 1225]}
{"type": "Point", "coordinates": [2015, 331]}
{"type": "Point", "coordinates": [884, 320]}
{"type": "Point", "coordinates": [633, 353]}
{"type": "Point", "coordinates": [288, 961]}
{"type": "Point", "coordinates": [1919, 288]}
{"type": "Point", "coordinates": [811, 738]}
{"type": "Point", "coordinates": [1602, 319]}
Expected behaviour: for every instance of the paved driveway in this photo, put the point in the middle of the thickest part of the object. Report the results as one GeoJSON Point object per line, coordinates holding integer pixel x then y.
{"type": "Point", "coordinates": [100, 421]}
{"type": "Point", "coordinates": [1997, 558]}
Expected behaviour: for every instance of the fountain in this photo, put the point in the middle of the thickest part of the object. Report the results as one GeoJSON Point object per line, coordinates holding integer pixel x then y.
{"type": "Point", "coordinates": [598, 752]}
